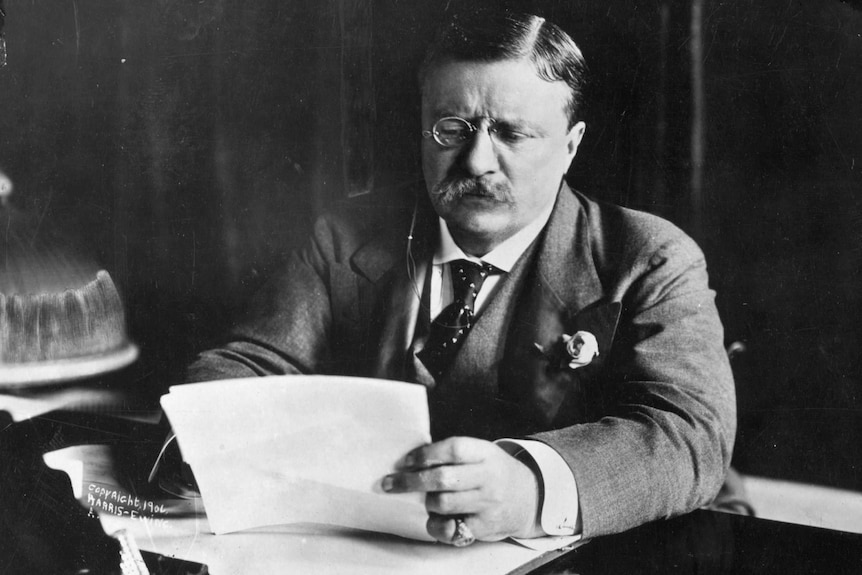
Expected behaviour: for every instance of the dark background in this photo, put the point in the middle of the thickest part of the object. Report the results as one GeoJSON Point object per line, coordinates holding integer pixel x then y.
{"type": "Point", "coordinates": [188, 145]}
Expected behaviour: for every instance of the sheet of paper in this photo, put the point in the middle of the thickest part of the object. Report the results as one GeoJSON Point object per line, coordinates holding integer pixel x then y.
{"type": "Point", "coordinates": [322, 550]}
{"type": "Point", "coordinates": [179, 528]}
{"type": "Point", "coordinates": [281, 450]}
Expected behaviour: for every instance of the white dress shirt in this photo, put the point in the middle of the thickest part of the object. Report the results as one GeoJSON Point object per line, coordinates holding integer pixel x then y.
{"type": "Point", "coordinates": [559, 493]}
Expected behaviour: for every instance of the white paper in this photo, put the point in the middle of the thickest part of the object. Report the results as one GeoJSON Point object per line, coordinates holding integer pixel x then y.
{"type": "Point", "coordinates": [282, 450]}
{"type": "Point", "coordinates": [321, 550]}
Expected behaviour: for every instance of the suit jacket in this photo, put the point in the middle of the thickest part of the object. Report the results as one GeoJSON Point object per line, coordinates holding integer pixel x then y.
{"type": "Point", "coordinates": [647, 428]}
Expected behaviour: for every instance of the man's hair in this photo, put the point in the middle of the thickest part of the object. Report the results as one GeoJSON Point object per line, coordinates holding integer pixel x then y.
{"type": "Point", "coordinates": [495, 35]}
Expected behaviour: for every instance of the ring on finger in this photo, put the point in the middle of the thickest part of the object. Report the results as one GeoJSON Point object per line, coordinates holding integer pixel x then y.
{"type": "Point", "coordinates": [463, 536]}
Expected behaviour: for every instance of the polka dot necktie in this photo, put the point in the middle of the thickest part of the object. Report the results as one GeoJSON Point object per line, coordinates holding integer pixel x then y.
{"type": "Point", "coordinates": [449, 329]}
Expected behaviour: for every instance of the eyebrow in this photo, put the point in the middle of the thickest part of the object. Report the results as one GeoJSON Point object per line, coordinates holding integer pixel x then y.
{"type": "Point", "coordinates": [438, 113]}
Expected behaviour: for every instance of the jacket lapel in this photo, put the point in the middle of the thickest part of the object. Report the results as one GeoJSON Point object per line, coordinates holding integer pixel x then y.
{"type": "Point", "coordinates": [390, 298]}
{"type": "Point", "coordinates": [564, 295]}
{"type": "Point", "coordinates": [565, 266]}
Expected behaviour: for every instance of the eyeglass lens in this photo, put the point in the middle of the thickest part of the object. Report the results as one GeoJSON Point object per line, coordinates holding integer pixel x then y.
{"type": "Point", "coordinates": [452, 131]}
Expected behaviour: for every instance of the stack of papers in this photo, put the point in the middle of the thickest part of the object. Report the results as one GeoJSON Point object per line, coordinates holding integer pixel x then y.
{"type": "Point", "coordinates": [301, 449]}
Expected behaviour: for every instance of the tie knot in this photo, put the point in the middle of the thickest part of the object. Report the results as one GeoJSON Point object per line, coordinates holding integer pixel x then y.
{"type": "Point", "coordinates": [467, 280]}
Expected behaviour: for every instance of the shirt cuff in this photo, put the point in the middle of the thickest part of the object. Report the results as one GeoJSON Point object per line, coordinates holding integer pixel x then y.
{"type": "Point", "coordinates": [559, 508]}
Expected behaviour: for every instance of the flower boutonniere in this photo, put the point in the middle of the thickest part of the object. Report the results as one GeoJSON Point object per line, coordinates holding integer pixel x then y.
{"type": "Point", "coordinates": [572, 351]}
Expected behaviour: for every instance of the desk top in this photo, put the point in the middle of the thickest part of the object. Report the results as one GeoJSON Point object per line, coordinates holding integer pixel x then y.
{"type": "Point", "coordinates": [702, 542]}
{"type": "Point", "coordinates": [707, 542]}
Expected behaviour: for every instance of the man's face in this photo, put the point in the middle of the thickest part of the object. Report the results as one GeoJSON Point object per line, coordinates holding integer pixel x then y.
{"type": "Point", "coordinates": [493, 185]}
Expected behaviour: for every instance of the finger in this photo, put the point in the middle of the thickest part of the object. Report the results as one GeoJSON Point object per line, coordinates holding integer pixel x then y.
{"type": "Point", "coordinates": [445, 529]}
{"type": "Point", "coordinates": [442, 528]}
{"type": "Point", "coordinates": [451, 451]}
{"type": "Point", "coordinates": [454, 502]}
{"type": "Point", "coordinates": [441, 478]}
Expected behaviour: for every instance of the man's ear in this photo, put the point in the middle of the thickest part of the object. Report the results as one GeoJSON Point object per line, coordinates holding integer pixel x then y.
{"type": "Point", "coordinates": [574, 137]}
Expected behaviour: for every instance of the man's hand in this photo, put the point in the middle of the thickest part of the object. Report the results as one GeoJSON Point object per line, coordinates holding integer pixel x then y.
{"type": "Point", "coordinates": [496, 495]}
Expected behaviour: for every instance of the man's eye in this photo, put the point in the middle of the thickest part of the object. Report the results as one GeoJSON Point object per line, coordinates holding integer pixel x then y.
{"type": "Point", "coordinates": [457, 133]}
{"type": "Point", "coordinates": [509, 135]}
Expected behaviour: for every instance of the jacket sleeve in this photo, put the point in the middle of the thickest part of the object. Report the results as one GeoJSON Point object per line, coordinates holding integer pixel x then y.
{"type": "Point", "coordinates": [285, 329]}
{"type": "Point", "coordinates": [664, 440]}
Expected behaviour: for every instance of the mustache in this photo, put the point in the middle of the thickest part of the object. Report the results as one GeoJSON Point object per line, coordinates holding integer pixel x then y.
{"type": "Point", "coordinates": [456, 186]}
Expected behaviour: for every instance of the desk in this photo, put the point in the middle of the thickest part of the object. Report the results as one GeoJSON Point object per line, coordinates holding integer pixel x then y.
{"type": "Point", "coordinates": [702, 542]}
{"type": "Point", "coordinates": [708, 542]}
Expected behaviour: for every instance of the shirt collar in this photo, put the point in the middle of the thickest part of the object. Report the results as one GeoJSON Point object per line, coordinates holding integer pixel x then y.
{"type": "Point", "coordinates": [503, 256]}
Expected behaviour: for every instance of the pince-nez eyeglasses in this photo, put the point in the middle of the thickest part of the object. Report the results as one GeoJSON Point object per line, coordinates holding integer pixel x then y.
{"type": "Point", "coordinates": [452, 131]}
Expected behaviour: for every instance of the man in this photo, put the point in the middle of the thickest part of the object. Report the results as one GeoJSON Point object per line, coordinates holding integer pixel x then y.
{"type": "Point", "coordinates": [576, 375]}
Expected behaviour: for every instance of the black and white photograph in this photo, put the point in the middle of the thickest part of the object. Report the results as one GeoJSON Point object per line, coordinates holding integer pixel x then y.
{"type": "Point", "coordinates": [537, 287]}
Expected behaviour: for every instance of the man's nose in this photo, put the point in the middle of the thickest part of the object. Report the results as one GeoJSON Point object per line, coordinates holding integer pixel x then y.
{"type": "Point", "coordinates": [479, 157]}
